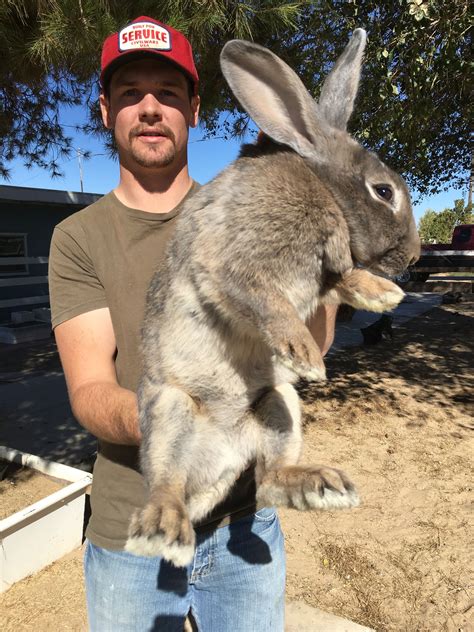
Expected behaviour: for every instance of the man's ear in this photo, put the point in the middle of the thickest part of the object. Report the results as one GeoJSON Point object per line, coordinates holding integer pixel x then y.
{"type": "Point", "coordinates": [195, 104]}
{"type": "Point", "coordinates": [105, 111]}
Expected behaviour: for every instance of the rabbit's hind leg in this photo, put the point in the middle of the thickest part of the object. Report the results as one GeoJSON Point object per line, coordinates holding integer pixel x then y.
{"type": "Point", "coordinates": [280, 481]}
{"type": "Point", "coordinates": [163, 527]}
{"type": "Point", "coordinates": [307, 487]}
{"type": "Point", "coordinates": [168, 426]}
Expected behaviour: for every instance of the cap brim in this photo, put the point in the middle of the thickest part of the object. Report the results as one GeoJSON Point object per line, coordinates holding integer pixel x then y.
{"type": "Point", "coordinates": [137, 56]}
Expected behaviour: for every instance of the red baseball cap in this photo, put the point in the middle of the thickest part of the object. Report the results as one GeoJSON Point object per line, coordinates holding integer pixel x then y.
{"type": "Point", "coordinates": [146, 37]}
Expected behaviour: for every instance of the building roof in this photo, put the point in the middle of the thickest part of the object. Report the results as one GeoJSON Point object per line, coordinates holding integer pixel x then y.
{"type": "Point", "coordinates": [49, 196]}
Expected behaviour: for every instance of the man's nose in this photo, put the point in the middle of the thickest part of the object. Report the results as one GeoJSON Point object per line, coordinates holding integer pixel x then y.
{"type": "Point", "coordinates": [150, 107]}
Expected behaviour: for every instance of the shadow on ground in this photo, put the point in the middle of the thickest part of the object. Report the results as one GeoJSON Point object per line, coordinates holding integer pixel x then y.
{"type": "Point", "coordinates": [433, 353]}
{"type": "Point", "coordinates": [35, 415]}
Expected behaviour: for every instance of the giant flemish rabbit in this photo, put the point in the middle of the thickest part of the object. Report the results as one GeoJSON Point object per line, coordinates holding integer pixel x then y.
{"type": "Point", "coordinates": [303, 218]}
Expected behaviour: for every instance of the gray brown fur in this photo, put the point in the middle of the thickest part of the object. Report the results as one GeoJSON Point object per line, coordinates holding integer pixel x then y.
{"type": "Point", "coordinates": [255, 252]}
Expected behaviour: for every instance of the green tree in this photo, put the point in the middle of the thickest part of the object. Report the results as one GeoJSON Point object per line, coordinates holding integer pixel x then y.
{"type": "Point", "coordinates": [438, 228]}
{"type": "Point", "coordinates": [414, 106]}
{"type": "Point", "coordinates": [51, 56]}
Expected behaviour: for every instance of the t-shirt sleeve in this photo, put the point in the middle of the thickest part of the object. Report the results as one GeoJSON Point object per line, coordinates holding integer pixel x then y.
{"type": "Point", "coordinates": [74, 287]}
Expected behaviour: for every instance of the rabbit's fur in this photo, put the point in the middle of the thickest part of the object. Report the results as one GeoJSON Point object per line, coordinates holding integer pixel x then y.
{"type": "Point", "coordinates": [255, 252]}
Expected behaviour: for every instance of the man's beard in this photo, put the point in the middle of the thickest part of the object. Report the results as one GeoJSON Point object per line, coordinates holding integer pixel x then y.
{"type": "Point", "coordinates": [152, 155]}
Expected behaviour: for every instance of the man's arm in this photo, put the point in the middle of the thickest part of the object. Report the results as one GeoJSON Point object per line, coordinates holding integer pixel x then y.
{"type": "Point", "coordinates": [322, 326]}
{"type": "Point", "coordinates": [87, 347]}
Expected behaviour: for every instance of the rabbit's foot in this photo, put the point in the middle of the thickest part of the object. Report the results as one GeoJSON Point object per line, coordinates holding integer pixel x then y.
{"type": "Point", "coordinates": [364, 290]}
{"type": "Point", "coordinates": [306, 488]}
{"type": "Point", "coordinates": [298, 351]}
{"type": "Point", "coordinates": [311, 373]}
{"type": "Point", "coordinates": [387, 300]}
{"type": "Point", "coordinates": [162, 530]}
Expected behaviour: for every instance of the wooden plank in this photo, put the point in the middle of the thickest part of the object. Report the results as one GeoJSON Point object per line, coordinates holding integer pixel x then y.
{"type": "Point", "coordinates": [30, 280]}
{"type": "Point", "coordinates": [18, 302]}
{"type": "Point", "coordinates": [12, 261]}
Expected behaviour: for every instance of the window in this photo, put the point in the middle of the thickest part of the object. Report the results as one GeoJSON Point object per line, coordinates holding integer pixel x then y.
{"type": "Point", "coordinates": [12, 245]}
{"type": "Point", "coordinates": [464, 234]}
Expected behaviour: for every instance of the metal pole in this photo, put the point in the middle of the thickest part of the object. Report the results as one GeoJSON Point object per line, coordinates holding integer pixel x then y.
{"type": "Point", "coordinates": [79, 159]}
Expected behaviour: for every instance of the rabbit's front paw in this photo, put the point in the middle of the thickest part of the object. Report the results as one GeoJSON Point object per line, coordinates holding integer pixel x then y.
{"type": "Point", "coordinates": [299, 352]}
{"type": "Point", "coordinates": [373, 293]}
{"type": "Point", "coordinates": [386, 297]}
{"type": "Point", "coordinates": [162, 530]}
{"type": "Point", "coordinates": [306, 488]}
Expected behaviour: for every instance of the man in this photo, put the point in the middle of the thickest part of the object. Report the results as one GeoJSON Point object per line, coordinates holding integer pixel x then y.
{"type": "Point", "coordinates": [101, 262]}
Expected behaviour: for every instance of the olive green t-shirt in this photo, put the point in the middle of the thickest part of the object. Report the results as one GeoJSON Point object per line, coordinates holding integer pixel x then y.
{"type": "Point", "coordinates": [105, 256]}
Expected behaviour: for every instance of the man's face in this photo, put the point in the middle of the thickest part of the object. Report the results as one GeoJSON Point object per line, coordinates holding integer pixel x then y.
{"type": "Point", "coordinates": [150, 111]}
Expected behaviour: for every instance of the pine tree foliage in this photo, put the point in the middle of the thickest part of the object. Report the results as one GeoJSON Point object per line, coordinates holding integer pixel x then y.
{"type": "Point", "coordinates": [414, 105]}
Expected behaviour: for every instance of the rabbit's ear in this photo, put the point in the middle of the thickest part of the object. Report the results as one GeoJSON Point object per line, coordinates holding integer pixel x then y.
{"type": "Point", "coordinates": [340, 87]}
{"type": "Point", "coordinates": [272, 94]}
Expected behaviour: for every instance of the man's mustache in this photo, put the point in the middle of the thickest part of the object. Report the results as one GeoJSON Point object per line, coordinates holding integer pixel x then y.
{"type": "Point", "coordinates": [158, 130]}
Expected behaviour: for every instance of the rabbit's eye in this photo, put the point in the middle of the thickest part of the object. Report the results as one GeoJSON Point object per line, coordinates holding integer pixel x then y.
{"type": "Point", "coordinates": [384, 191]}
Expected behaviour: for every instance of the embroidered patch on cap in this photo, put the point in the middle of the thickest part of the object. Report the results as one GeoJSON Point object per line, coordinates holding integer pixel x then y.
{"type": "Point", "coordinates": [144, 35]}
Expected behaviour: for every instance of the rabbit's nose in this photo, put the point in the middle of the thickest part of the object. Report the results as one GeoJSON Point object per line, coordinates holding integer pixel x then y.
{"type": "Point", "coordinates": [414, 260]}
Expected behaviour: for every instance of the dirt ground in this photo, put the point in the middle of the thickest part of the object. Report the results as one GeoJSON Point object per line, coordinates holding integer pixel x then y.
{"type": "Point", "coordinates": [29, 358]}
{"type": "Point", "coordinates": [21, 486]}
{"type": "Point", "coordinates": [397, 417]}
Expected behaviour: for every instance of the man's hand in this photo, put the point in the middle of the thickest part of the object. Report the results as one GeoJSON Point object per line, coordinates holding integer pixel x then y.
{"type": "Point", "coordinates": [87, 348]}
{"type": "Point", "coordinates": [322, 326]}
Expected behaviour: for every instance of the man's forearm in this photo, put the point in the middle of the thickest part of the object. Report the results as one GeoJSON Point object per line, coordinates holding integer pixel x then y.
{"type": "Point", "coordinates": [108, 411]}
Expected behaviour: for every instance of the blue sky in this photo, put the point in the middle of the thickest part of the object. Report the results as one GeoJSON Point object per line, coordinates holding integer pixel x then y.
{"type": "Point", "coordinates": [206, 158]}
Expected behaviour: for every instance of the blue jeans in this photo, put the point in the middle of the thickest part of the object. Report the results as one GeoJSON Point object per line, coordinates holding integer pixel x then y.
{"type": "Point", "coordinates": [236, 583]}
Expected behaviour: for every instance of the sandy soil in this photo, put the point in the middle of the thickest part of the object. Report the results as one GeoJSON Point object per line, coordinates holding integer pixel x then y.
{"type": "Point", "coordinates": [21, 486]}
{"type": "Point", "coordinates": [398, 419]}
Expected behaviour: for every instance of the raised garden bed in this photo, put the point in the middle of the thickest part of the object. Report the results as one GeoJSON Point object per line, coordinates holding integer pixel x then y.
{"type": "Point", "coordinates": [45, 503]}
{"type": "Point", "coordinates": [21, 486]}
